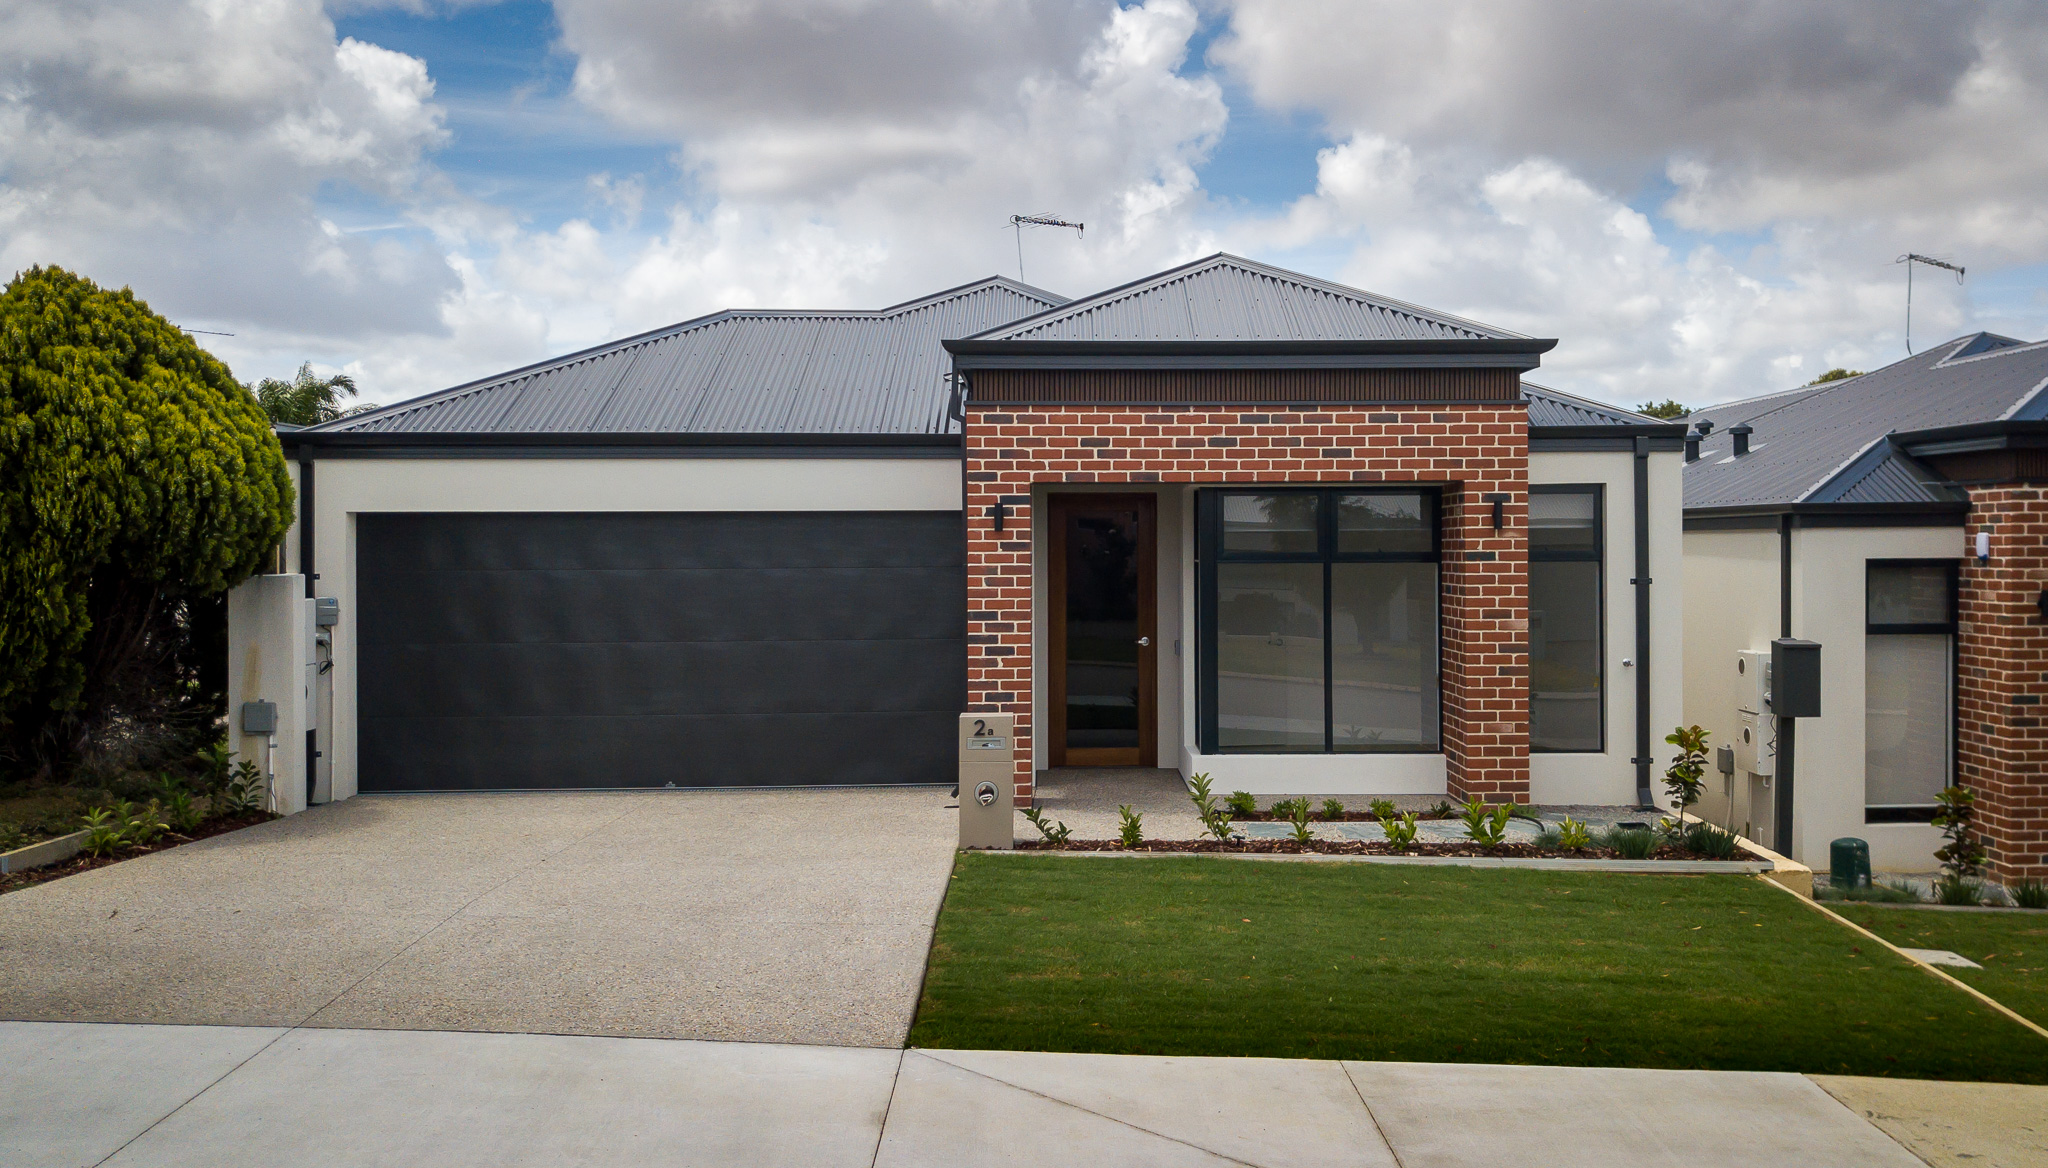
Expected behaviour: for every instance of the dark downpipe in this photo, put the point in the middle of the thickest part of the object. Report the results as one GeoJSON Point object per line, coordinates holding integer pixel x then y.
{"type": "Point", "coordinates": [1781, 801]}
{"type": "Point", "coordinates": [1643, 758]}
{"type": "Point", "coordinates": [306, 521]}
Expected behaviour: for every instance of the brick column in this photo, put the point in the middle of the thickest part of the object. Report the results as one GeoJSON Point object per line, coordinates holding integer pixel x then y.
{"type": "Point", "coordinates": [1486, 638]}
{"type": "Point", "coordinates": [2001, 677]}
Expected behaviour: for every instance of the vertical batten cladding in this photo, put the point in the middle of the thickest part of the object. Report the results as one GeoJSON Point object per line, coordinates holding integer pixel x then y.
{"type": "Point", "coordinates": [1470, 450]}
{"type": "Point", "coordinates": [2002, 678]}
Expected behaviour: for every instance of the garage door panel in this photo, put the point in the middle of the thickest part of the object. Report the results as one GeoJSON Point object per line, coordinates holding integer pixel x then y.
{"type": "Point", "coordinates": [694, 604]}
{"type": "Point", "coordinates": [630, 650]}
{"type": "Point", "coordinates": [420, 754]}
{"type": "Point", "coordinates": [733, 677]}
{"type": "Point", "coordinates": [526, 541]}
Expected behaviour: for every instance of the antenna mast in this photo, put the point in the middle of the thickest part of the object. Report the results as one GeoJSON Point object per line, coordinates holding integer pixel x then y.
{"type": "Point", "coordinates": [1909, 259]}
{"type": "Point", "coordinates": [1020, 222]}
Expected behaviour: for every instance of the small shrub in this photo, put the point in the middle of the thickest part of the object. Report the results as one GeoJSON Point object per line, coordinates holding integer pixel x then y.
{"type": "Point", "coordinates": [1958, 890]}
{"type": "Point", "coordinates": [166, 788]}
{"type": "Point", "coordinates": [1054, 831]}
{"type": "Point", "coordinates": [1215, 820]}
{"type": "Point", "coordinates": [143, 825]}
{"type": "Point", "coordinates": [1383, 809]}
{"type": "Point", "coordinates": [1632, 843]}
{"type": "Point", "coordinates": [12, 836]}
{"type": "Point", "coordinates": [244, 790]}
{"type": "Point", "coordinates": [1130, 826]}
{"type": "Point", "coordinates": [1241, 804]}
{"type": "Point", "coordinates": [1488, 829]}
{"type": "Point", "coordinates": [2028, 893]}
{"type": "Point", "coordinates": [1704, 839]}
{"type": "Point", "coordinates": [1572, 835]}
{"type": "Point", "coordinates": [1298, 816]}
{"type": "Point", "coordinates": [1400, 831]}
{"type": "Point", "coordinates": [1443, 810]}
{"type": "Point", "coordinates": [185, 815]}
{"type": "Point", "coordinates": [1549, 838]}
{"type": "Point", "coordinates": [105, 834]}
{"type": "Point", "coordinates": [1332, 809]}
{"type": "Point", "coordinates": [1962, 858]}
{"type": "Point", "coordinates": [213, 767]}
{"type": "Point", "coordinates": [1686, 776]}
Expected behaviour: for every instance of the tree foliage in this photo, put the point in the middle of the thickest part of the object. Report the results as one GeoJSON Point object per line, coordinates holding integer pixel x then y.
{"type": "Point", "coordinates": [1667, 409]}
{"type": "Point", "coordinates": [305, 400]}
{"type": "Point", "coordinates": [1836, 375]}
{"type": "Point", "coordinates": [136, 477]}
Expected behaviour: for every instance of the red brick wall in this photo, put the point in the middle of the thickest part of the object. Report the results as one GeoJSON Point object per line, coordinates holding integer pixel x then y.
{"type": "Point", "coordinates": [1471, 450]}
{"type": "Point", "coordinates": [2002, 678]}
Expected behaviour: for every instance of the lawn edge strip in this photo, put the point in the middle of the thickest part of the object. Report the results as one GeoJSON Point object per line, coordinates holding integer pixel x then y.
{"type": "Point", "coordinates": [1542, 863]}
{"type": "Point", "coordinates": [1967, 988]}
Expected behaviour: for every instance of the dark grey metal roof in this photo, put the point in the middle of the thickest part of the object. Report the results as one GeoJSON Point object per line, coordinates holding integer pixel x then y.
{"type": "Point", "coordinates": [733, 372]}
{"type": "Point", "coordinates": [1227, 298]}
{"type": "Point", "coordinates": [1829, 444]}
{"type": "Point", "coordinates": [1554, 407]}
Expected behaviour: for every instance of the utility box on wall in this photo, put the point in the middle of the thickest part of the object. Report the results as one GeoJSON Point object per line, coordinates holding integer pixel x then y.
{"type": "Point", "coordinates": [1795, 678]}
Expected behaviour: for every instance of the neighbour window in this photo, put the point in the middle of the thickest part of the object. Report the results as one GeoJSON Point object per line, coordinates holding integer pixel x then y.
{"type": "Point", "coordinates": [1908, 688]}
{"type": "Point", "coordinates": [1566, 709]}
{"type": "Point", "coordinates": [1319, 616]}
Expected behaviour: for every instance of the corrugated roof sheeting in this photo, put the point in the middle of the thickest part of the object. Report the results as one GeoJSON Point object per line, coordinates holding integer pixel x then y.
{"type": "Point", "coordinates": [1225, 298]}
{"type": "Point", "coordinates": [1802, 439]}
{"type": "Point", "coordinates": [1893, 479]}
{"type": "Point", "coordinates": [1551, 407]}
{"type": "Point", "coordinates": [736, 372]}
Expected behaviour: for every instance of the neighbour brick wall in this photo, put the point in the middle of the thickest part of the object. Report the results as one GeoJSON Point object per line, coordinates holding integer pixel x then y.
{"type": "Point", "coordinates": [1470, 450]}
{"type": "Point", "coordinates": [2002, 678]}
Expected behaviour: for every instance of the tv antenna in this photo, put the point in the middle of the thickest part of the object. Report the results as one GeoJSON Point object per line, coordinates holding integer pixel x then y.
{"type": "Point", "coordinates": [1020, 222]}
{"type": "Point", "coordinates": [207, 332]}
{"type": "Point", "coordinates": [1909, 259]}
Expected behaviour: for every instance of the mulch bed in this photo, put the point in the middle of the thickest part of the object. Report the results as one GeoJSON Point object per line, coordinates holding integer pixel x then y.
{"type": "Point", "coordinates": [1353, 848]}
{"type": "Point", "coordinates": [15, 881]}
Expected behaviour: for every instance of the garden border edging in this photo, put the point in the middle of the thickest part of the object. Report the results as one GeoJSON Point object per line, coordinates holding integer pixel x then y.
{"type": "Point", "coordinates": [44, 852]}
{"type": "Point", "coordinates": [1549, 863]}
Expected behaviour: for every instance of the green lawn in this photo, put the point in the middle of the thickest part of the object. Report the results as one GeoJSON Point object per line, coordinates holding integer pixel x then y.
{"type": "Point", "coordinates": [2011, 946]}
{"type": "Point", "coordinates": [1370, 961]}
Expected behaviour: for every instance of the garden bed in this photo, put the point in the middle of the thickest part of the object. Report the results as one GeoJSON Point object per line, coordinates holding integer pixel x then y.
{"type": "Point", "coordinates": [15, 881]}
{"type": "Point", "coordinates": [1664, 852]}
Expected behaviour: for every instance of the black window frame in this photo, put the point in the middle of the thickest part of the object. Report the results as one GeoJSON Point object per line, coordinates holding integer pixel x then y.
{"type": "Point", "coordinates": [1597, 555]}
{"type": "Point", "coordinates": [1922, 813]}
{"type": "Point", "coordinates": [1209, 552]}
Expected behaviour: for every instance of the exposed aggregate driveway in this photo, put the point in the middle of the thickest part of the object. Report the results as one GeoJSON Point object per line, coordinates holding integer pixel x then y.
{"type": "Point", "coordinates": [766, 916]}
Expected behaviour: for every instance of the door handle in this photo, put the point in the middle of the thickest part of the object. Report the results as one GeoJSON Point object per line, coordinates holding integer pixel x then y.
{"type": "Point", "coordinates": [1144, 640]}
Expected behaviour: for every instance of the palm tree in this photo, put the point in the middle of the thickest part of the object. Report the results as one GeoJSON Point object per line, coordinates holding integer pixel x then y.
{"type": "Point", "coordinates": [305, 400]}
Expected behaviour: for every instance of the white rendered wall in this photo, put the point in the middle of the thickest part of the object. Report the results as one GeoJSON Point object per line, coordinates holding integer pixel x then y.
{"type": "Point", "coordinates": [345, 488]}
{"type": "Point", "coordinates": [1731, 604]}
{"type": "Point", "coordinates": [270, 643]}
{"type": "Point", "coordinates": [1608, 777]}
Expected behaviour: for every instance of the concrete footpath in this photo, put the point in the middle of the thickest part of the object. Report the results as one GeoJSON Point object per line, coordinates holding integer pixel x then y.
{"type": "Point", "coordinates": [222, 1096]}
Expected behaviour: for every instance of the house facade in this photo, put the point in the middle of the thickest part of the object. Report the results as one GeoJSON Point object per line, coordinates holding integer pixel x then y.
{"type": "Point", "coordinates": [1226, 519]}
{"type": "Point", "coordinates": [1895, 518]}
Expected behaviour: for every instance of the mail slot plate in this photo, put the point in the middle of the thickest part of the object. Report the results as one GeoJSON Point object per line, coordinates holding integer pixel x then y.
{"type": "Point", "coordinates": [988, 743]}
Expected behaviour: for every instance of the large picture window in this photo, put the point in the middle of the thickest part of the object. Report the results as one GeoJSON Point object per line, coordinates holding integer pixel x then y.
{"type": "Point", "coordinates": [1567, 707]}
{"type": "Point", "coordinates": [1319, 621]}
{"type": "Point", "coordinates": [1908, 687]}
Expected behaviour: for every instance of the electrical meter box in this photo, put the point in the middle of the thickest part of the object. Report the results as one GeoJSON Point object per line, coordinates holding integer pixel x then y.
{"type": "Point", "coordinates": [988, 782]}
{"type": "Point", "coordinates": [1795, 678]}
{"type": "Point", "coordinates": [1753, 681]}
{"type": "Point", "coordinates": [1756, 737]}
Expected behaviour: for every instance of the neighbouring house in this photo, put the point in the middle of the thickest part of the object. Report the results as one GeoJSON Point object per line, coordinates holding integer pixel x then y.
{"type": "Point", "coordinates": [1227, 518]}
{"type": "Point", "coordinates": [1898, 519]}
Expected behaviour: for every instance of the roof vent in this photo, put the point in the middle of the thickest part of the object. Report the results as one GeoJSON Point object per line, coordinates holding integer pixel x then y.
{"type": "Point", "coordinates": [1692, 447]}
{"type": "Point", "coordinates": [1705, 426]}
{"type": "Point", "coordinates": [1740, 432]}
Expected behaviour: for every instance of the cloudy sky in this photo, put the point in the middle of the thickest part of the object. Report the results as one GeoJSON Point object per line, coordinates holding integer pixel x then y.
{"type": "Point", "coordinates": [1702, 200]}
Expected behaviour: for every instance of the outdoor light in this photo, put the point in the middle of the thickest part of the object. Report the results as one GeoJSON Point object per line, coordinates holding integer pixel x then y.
{"type": "Point", "coordinates": [1983, 547]}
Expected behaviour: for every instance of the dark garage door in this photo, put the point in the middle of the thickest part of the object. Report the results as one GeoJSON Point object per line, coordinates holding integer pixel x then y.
{"type": "Point", "coordinates": [724, 649]}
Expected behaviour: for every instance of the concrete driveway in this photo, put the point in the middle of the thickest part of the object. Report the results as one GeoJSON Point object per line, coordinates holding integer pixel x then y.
{"type": "Point", "coordinates": [771, 916]}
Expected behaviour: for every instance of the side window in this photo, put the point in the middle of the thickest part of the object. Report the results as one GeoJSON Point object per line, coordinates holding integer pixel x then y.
{"type": "Point", "coordinates": [1908, 687]}
{"type": "Point", "coordinates": [1567, 539]}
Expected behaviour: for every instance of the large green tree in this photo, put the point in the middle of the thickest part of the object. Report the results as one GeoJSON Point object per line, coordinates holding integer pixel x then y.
{"type": "Point", "coordinates": [138, 482]}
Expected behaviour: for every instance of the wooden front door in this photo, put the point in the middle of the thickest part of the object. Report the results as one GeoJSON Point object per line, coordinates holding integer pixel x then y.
{"type": "Point", "coordinates": [1104, 644]}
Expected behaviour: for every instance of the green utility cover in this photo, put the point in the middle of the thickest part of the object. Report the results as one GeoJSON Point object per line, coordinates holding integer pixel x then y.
{"type": "Point", "coordinates": [1849, 863]}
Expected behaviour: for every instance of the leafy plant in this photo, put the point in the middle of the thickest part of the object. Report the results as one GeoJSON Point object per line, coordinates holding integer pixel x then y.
{"type": "Point", "coordinates": [166, 787]}
{"type": "Point", "coordinates": [1572, 835]}
{"type": "Point", "coordinates": [1054, 831]}
{"type": "Point", "coordinates": [1958, 890]}
{"type": "Point", "coordinates": [213, 767]}
{"type": "Point", "coordinates": [1130, 826]}
{"type": "Point", "coordinates": [105, 834]}
{"type": "Point", "coordinates": [1242, 805]}
{"type": "Point", "coordinates": [1686, 776]}
{"type": "Point", "coordinates": [305, 400]}
{"type": "Point", "coordinates": [1442, 810]}
{"type": "Point", "coordinates": [185, 814]}
{"type": "Point", "coordinates": [1632, 843]}
{"type": "Point", "coordinates": [244, 790]}
{"type": "Point", "coordinates": [1298, 816]}
{"type": "Point", "coordinates": [141, 825]}
{"type": "Point", "coordinates": [1215, 820]}
{"type": "Point", "coordinates": [1962, 857]}
{"type": "Point", "coordinates": [1400, 830]}
{"type": "Point", "coordinates": [2028, 893]}
{"type": "Point", "coordinates": [1383, 809]}
{"type": "Point", "coordinates": [1332, 809]}
{"type": "Point", "coordinates": [1489, 829]}
{"type": "Point", "coordinates": [1704, 839]}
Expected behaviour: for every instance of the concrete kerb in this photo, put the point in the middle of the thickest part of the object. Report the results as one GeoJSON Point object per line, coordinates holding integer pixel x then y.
{"type": "Point", "coordinates": [1545, 863]}
{"type": "Point", "coordinates": [43, 853]}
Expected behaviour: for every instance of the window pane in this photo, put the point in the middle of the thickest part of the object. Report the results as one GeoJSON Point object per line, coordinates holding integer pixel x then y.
{"type": "Point", "coordinates": [1906, 719]}
{"type": "Point", "coordinates": [1563, 521]}
{"type": "Point", "coordinates": [1383, 655]}
{"type": "Point", "coordinates": [1270, 523]}
{"type": "Point", "coordinates": [1269, 656]}
{"type": "Point", "coordinates": [1909, 595]}
{"type": "Point", "coordinates": [1383, 523]}
{"type": "Point", "coordinates": [1564, 655]}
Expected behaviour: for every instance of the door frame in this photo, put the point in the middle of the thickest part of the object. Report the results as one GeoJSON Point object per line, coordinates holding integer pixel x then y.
{"type": "Point", "coordinates": [1059, 507]}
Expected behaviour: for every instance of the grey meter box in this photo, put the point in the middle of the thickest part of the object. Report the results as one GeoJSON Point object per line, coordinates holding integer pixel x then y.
{"type": "Point", "coordinates": [1795, 678]}
{"type": "Point", "coordinates": [988, 782]}
{"type": "Point", "coordinates": [259, 718]}
{"type": "Point", "coordinates": [326, 612]}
